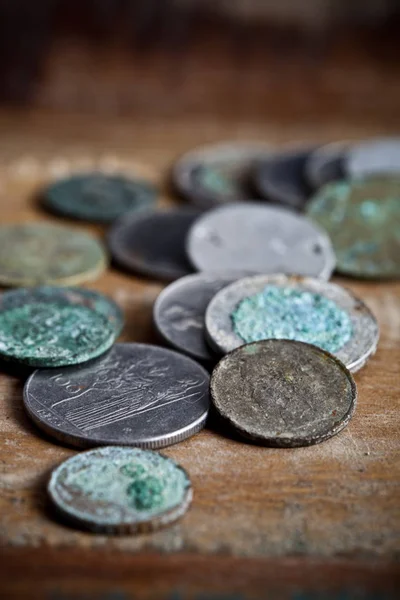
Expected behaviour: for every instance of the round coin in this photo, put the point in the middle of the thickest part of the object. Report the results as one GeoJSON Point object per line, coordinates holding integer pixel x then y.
{"type": "Point", "coordinates": [120, 490]}
{"type": "Point", "coordinates": [374, 157]}
{"type": "Point", "coordinates": [301, 309]}
{"type": "Point", "coordinates": [250, 237]}
{"type": "Point", "coordinates": [136, 395]}
{"type": "Point", "coordinates": [362, 218]}
{"type": "Point", "coordinates": [98, 197]}
{"type": "Point", "coordinates": [39, 253]}
{"type": "Point", "coordinates": [153, 243]}
{"type": "Point", "coordinates": [283, 393]}
{"type": "Point", "coordinates": [325, 164]}
{"type": "Point", "coordinates": [218, 173]}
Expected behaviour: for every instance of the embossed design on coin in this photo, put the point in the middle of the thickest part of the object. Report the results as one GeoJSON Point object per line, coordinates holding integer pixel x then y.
{"type": "Point", "coordinates": [283, 393]}
{"type": "Point", "coordinates": [38, 253]}
{"type": "Point", "coordinates": [325, 164]}
{"type": "Point", "coordinates": [138, 394]}
{"type": "Point", "coordinates": [374, 158]}
{"type": "Point", "coordinates": [120, 490]}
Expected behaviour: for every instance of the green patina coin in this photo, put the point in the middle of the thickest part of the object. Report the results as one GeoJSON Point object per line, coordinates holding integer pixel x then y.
{"type": "Point", "coordinates": [39, 253]}
{"type": "Point", "coordinates": [120, 490]}
{"type": "Point", "coordinates": [362, 218]}
{"type": "Point", "coordinates": [98, 197]}
{"type": "Point", "coordinates": [292, 314]}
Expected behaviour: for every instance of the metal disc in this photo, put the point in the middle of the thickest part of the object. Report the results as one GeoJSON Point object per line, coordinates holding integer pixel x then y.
{"type": "Point", "coordinates": [250, 237]}
{"type": "Point", "coordinates": [136, 395]}
{"type": "Point", "coordinates": [322, 314]}
{"type": "Point", "coordinates": [218, 173]}
{"type": "Point", "coordinates": [179, 312]}
{"type": "Point", "coordinates": [153, 243]}
{"type": "Point", "coordinates": [326, 164]}
{"type": "Point", "coordinates": [374, 157]}
{"type": "Point", "coordinates": [283, 393]}
{"type": "Point", "coordinates": [120, 490]}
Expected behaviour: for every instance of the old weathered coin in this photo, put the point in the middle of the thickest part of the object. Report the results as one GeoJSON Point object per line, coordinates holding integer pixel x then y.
{"type": "Point", "coordinates": [283, 393]}
{"type": "Point", "coordinates": [250, 237]}
{"type": "Point", "coordinates": [362, 218]}
{"type": "Point", "coordinates": [120, 490]}
{"type": "Point", "coordinates": [98, 197]}
{"type": "Point", "coordinates": [179, 312]}
{"type": "Point", "coordinates": [301, 309]}
{"type": "Point", "coordinates": [374, 157]}
{"type": "Point", "coordinates": [137, 395]}
{"type": "Point", "coordinates": [153, 243]}
{"type": "Point", "coordinates": [325, 164]}
{"type": "Point", "coordinates": [280, 178]}
{"type": "Point", "coordinates": [39, 253]}
{"type": "Point", "coordinates": [218, 173]}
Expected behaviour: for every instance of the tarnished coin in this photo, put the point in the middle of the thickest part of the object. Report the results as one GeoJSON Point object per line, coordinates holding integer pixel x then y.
{"type": "Point", "coordinates": [280, 178]}
{"type": "Point", "coordinates": [218, 173]}
{"type": "Point", "coordinates": [250, 237]}
{"type": "Point", "coordinates": [120, 490]}
{"type": "Point", "coordinates": [301, 309]}
{"type": "Point", "coordinates": [98, 197]}
{"type": "Point", "coordinates": [153, 243]}
{"type": "Point", "coordinates": [179, 312]}
{"type": "Point", "coordinates": [136, 395]}
{"type": "Point", "coordinates": [325, 164]}
{"type": "Point", "coordinates": [283, 393]}
{"type": "Point", "coordinates": [362, 218]}
{"type": "Point", "coordinates": [39, 253]}
{"type": "Point", "coordinates": [374, 157]}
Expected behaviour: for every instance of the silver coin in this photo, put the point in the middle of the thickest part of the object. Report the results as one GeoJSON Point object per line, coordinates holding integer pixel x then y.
{"type": "Point", "coordinates": [250, 237]}
{"type": "Point", "coordinates": [356, 340]}
{"type": "Point", "coordinates": [179, 312]}
{"type": "Point", "coordinates": [137, 395]}
{"type": "Point", "coordinates": [283, 393]}
{"type": "Point", "coordinates": [326, 164]}
{"type": "Point", "coordinates": [153, 242]}
{"type": "Point", "coordinates": [374, 157]}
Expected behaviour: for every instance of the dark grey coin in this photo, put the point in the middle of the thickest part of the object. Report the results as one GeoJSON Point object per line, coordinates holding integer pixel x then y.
{"type": "Point", "coordinates": [255, 238]}
{"type": "Point", "coordinates": [153, 243]}
{"type": "Point", "coordinates": [137, 395]}
{"type": "Point", "coordinates": [374, 157]}
{"type": "Point", "coordinates": [325, 164]}
{"type": "Point", "coordinates": [283, 393]}
{"type": "Point", "coordinates": [179, 312]}
{"type": "Point", "coordinates": [280, 178]}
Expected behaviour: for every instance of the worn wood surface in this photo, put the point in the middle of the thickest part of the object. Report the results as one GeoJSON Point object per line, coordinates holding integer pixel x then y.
{"type": "Point", "coordinates": [296, 521]}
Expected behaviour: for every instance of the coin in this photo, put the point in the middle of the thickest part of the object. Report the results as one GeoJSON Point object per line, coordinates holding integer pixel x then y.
{"type": "Point", "coordinates": [98, 197]}
{"type": "Point", "coordinates": [136, 395]}
{"type": "Point", "coordinates": [253, 238]}
{"type": "Point", "coordinates": [38, 253]}
{"type": "Point", "coordinates": [153, 243]}
{"type": "Point", "coordinates": [362, 218]}
{"type": "Point", "coordinates": [218, 173]}
{"type": "Point", "coordinates": [302, 309]}
{"type": "Point", "coordinates": [283, 393]}
{"type": "Point", "coordinates": [280, 178]}
{"type": "Point", "coordinates": [120, 490]}
{"type": "Point", "coordinates": [374, 157]}
{"type": "Point", "coordinates": [325, 164]}
{"type": "Point", "coordinates": [179, 312]}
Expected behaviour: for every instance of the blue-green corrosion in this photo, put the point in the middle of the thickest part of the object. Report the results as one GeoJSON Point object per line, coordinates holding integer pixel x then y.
{"type": "Point", "coordinates": [293, 314]}
{"type": "Point", "coordinates": [214, 181]}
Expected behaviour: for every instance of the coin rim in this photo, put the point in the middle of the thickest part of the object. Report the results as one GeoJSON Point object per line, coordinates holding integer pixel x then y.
{"type": "Point", "coordinates": [327, 153]}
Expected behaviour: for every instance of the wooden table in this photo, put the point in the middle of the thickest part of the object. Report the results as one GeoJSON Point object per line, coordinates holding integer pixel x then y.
{"type": "Point", "coordinates": [318, 522]}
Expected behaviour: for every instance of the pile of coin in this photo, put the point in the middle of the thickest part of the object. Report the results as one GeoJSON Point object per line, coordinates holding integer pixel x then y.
{"type": "Point", "coordinates": [250, 301]}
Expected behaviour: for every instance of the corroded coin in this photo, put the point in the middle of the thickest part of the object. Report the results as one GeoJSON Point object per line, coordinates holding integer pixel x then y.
{"type": "Point", "coordinates": [303, 309]}
{"type": "Point", "coordinates": [136, 395]}
{"type": "Point", "coordinates": [98, 197]}
{"type": "Point", "coordinates": [153, 243]}
{"type": "Point", "coordinates": [120, 490]}
{"type": "Point", "coordinates": [325, 164]}
{"type": "Point", "coordinates": [218, 173]}
{"type": "Point", "coordinates": [255, 238]}
{"type": "Point", "coordinates": [39, 253]}
{"type": "Point", "coordinates": [362, 218]}
{"type": "Point", "coordinates": [283, 393]}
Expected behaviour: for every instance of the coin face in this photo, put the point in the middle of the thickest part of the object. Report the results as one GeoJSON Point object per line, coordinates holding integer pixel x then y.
{"type": "Point", "coordinates": [325, 164]}
{"type": "Point", "coordinates": [218, 173]}
{"type": "Point", "coordinates": [120, 490]}
{"type": "Point", "coordinates": [179, 312]}
{"type": "Point", "coordinates": [98, 197]}
{"type": "Point", "coordinates": [136, 395]}
{"type": "Point", "coordinates": [283, 393]}
{"type": "Point", "coordinates": [374, 157]}
{"type": "Point", "coordinates": [249, 237]}
{"type": "Point", "coordinates": [302, 309]}
{"type": "Point", "coordinates": [39, 253]}
{"type": "Point", "coordinates": [153, 243]}
{"type": "Point", "coordinates": [362, 218]}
